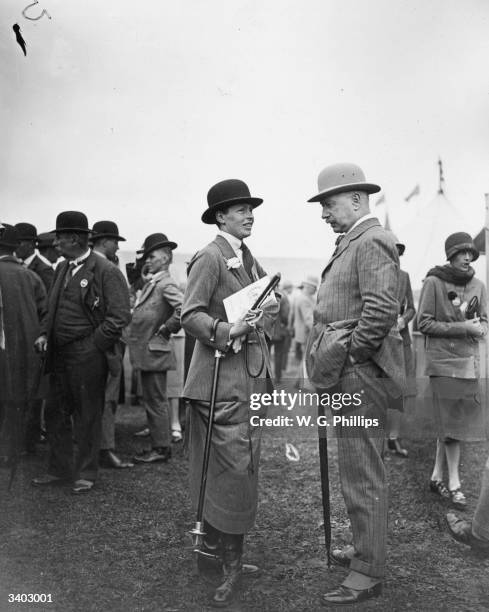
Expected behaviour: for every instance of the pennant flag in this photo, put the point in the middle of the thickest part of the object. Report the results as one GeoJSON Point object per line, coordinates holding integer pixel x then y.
{"type": "Point", "coordinates": [380, 200]}
{"type": "Point", "coordinates": [413, 193]}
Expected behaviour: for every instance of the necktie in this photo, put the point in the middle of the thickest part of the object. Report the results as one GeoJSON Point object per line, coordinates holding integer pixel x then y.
{"type": "Point", "coordinates": [247, 260]}
{"type": "Point", "coordinates": [337, 243]}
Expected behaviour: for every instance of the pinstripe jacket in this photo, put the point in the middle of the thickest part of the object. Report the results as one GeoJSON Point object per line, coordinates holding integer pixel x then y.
{"type": "Point", "coordinates": [357, 308]}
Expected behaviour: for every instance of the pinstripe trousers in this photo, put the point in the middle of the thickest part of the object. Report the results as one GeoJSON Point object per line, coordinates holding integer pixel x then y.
{"type": "Point", "coordinates": [362, 471]}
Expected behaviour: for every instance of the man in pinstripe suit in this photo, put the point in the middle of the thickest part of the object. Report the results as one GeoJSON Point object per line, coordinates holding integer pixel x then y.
{"type": "Point", "coordinates": [357, 304]}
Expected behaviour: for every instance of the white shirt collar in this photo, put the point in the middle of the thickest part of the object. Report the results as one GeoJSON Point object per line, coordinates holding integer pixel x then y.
{"type": "Point", "coordinates": [29, 260]}
{"type": "Point", "coordinates": [45, 260]}
{"type": "Point", "coordinates": [81, 258]}
{"type": "Point", "coordinates": [233, 241]}
{"type": "Point", "coordinates": [361, 220]}
{"type": "Point", "coordinates": [99, 253]}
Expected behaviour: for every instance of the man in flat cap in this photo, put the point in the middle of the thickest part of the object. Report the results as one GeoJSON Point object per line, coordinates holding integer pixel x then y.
{"type": "Point", "coordinates": [155, 318]}
{"type": "Point", "coordinates": [219, 270]}
{"type": "Point", "coordinates": [87, 311]}
{"type": "Point", "coordinates": [105, 240]}
{"type": "Point", "coordinates": [30, 256]}
{"type": "Point", "coordinates": [355, 348]}
{"type": "Point", "coordinates": [22, 311]}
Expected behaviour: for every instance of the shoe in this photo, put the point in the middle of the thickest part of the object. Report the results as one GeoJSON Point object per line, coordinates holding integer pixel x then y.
{"type": "Point", "coordinates": [47, 479]}
{"type": "Point", "coordinates": [461, 530]}
{"type": "Point", "coordinates": [439, 487]}
{"type": "Point", "coordinates": [232, 549]}
{"type": "Point", "coordinates": [343, 556]}
{"type": "Point", "coordinates": [394, 445]}
{"type": "Point", "coordinates": [345, 595]}
{"type": "Point", "coordinates": [109, 459]}
{"type": "Point", "coordinates": [176, 436]}
{"type": "Point", "coordinates": [143, 433]}
{"type": "Point", "coordinates": [154, 455]}
{"type": "Point", "coordinates": [458, 499]}
{"type": "Point", "coordinates": [82, 486]}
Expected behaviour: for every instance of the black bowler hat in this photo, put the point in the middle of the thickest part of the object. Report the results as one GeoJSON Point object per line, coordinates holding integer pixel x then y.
{"type": "Point", "coordinates": [45, 240]}
{"type": "Point", "coordinates": [156, 241]}
{"type": "Point", "coordinates": [72, 221]}
{"type": "Point", "coordinates": [26, 231]}
{"type": "Point", "coordinates": [9, 236]}
{"type": "Point", "coordinates": [106, 229]}
{"type": "Point", "coordinates": [226, 193]}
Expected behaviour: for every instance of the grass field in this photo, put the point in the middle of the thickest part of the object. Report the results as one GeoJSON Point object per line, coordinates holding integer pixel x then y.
{"type": "Point", "coordinates": [124, 546]}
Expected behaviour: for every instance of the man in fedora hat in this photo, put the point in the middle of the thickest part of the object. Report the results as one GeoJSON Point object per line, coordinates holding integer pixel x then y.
{"type": "Point", "coordinates": [353, 348]}
{"type": "Point", "coordinates": [105, 240]}
{"type": "Point", "coordinates": [30, 256]}
{"type": "Point", "coordinates": [87, 311]}
{"type": "Point", "coordinates": [155, 318]}
{"type": "Point", "coordinates": [22, 310]}
{"type": "Point", "coordinates": [219, 270]}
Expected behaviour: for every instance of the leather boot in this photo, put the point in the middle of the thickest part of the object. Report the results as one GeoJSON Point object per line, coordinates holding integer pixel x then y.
{"type": "Point", "coordinates": [232, 552]}
{"type": "Point", "coordinates": [209, 563]}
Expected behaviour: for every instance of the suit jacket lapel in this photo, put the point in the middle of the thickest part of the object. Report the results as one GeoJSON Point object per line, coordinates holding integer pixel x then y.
{"type": "Point", "coordinates": [355, 233]}
{"type": "Point", "coordinates": [228, 253]}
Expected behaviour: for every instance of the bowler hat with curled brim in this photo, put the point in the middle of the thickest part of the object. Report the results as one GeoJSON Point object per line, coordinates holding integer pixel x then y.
{"type": "Point", "coordinates": [339, 178]}
{"type": "Point", "coordinates": [72, 221]}
{"type": "Point", "coordinates": [9, 236]}
{"type": "Point", "coordinates": [227, 193]}
{"type": "Point", "coordinates": [106, 229]}
{"type": "Point", "coordinates": [155, 241]}
{"type": "Point", "coordinates": [26, 231]}
{"type": "Point", "coordinates": [45, 240]}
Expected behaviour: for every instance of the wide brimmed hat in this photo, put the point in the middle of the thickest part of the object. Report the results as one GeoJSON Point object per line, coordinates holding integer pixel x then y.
{"type": "Point", "coordinates": [156, 241]}
{"type": "Point", "coordinates": [26, 231]}
{"type": "Point", "coordinates": [9, 236]}
{"type": "Point", "coordinates": [310, 280]}
{"type": "Point", "coordinates": [45, 240]}
{"type": "Point", "coordinates": [106, 229]}
{"type": "Point", "coordinates": [226, 193]}
{"type": "Point", "coordinates": [460, 241]}
{"type": "Point", "coordinates": [342, 177]}
{"type": "Point", "coordinates": [72, 221]}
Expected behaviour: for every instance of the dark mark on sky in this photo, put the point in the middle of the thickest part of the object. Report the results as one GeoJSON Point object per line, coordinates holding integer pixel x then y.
{"type": "Point", "coordinates": [44, 12]}
{"type": "Point", "coordinates": [18, 37]}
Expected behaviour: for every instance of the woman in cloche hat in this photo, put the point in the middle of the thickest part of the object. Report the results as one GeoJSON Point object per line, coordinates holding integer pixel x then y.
{"type": "Point", "coordinates": [452, 315]}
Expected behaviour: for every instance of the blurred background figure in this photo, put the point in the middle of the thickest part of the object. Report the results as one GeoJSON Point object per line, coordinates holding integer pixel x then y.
{"type": "Point", "coordinates": [281, 338]}
{"type": "Point", "coordinates": [47, 251]}
{"type": "Point", "coordinates": [406, 314]}
{"type": "Point", "coordinates": [26, 251]}
{"type": "Point", "coordinates": [302, 319]}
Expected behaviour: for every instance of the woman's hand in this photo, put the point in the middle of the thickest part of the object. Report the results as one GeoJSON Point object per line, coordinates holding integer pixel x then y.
{"type": "Point", "coordinates": [474, 328]}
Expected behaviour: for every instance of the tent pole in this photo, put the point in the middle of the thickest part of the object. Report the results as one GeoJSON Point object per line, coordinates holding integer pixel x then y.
{"type": "Point", "coordinates": [486, 343]}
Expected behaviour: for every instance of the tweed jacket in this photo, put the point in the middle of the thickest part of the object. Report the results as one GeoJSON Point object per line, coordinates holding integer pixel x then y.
{"type": "Point", "coordinates": [105, 297]}
{"type": "Point", "coordinates": [357, 308]}
{"type": "Point", "coordinates": [159, 305]}
{"type": "Point", "coordinates": [406, 305]}
{"type": "Point", "coordinates": [209, 282]}
{"type": "Point", "coordinates": [45, 272]}
{"type": "Point", "coordinates": [450, 351]}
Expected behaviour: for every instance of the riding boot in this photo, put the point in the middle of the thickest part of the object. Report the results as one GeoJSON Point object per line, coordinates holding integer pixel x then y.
{"type": "Point", "coordinates": [209, 560]}
{"type": "Point", "coordinates": [232, 552]}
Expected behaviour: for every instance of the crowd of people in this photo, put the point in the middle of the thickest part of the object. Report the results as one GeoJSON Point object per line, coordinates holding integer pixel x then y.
{"type": "Point", "coordinates": [68, 315]}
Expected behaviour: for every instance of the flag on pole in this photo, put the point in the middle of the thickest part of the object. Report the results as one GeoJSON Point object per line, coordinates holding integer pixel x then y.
{"type": "Point", "coordinates": [380, 200]}
{"type": "Point", "coordinates": [413, 193]}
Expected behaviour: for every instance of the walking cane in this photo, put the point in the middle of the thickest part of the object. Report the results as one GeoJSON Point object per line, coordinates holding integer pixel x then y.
{"type": "Point", "coordinates": [324, 470]}
{"type": "Point", "coordinates": [198, 532]}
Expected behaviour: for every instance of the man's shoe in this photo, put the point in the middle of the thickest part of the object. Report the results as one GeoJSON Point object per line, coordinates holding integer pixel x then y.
{"type": "Point", "coordinates": [47, 479]}
{"type": "Point", "coordinates": [143, 433]}
{"type": "Point", "coordinates": [109, 459]}
{"type": "Point", "coordinates": [343, 556]}
{"type": "Point", "coordinates": [82, 486]}
{"type": "Point", "coordinates": [461, 530]}
{"type": "Point", "coordinates": [154, 455]}
{"type": "Point", "coordinates": [345, 595]}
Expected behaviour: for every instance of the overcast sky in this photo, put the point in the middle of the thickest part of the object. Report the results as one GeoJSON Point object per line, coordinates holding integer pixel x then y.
{"type": "Point", "coordinates": [131, 111]}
